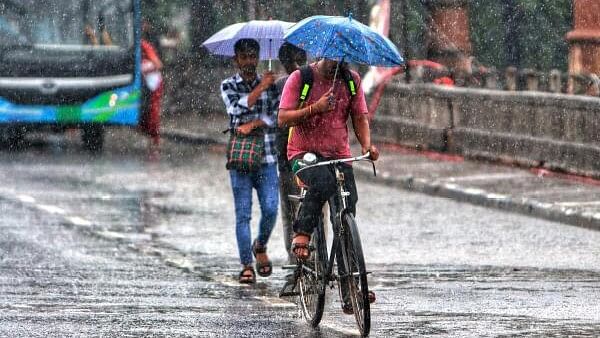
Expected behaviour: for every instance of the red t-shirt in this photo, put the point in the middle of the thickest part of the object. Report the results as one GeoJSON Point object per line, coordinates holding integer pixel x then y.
{"type": "Point", "coordinates": [326, 133]}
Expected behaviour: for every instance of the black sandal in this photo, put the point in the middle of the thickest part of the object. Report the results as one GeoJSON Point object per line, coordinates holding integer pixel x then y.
{"type": "Point", "coordinates": [302, 246]}
{"type": "Point", "coordinates": [263, 269]}
{"type": "Point", "coordinates": [247, 278]}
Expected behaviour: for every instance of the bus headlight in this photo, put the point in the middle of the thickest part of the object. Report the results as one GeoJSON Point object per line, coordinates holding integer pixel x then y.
{"type": "Point", "coordinates": [113, 100]}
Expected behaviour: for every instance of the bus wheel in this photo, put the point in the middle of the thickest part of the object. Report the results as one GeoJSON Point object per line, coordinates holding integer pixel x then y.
{"type": "Point", "coordinates": [93, 137]}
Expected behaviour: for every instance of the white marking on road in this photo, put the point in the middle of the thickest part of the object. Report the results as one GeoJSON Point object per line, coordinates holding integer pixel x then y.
{"type": "Point", "coordinates": [562, 190]}
{"type": "Point", "coordinates": [576, 204]}
{"type": "Point", "coordinates": [51, 209]}
{"type": "Point", "coordinates": [474, 191]}
{"type": "Point", "coordinates": [341, 330]}
{"type": "Point", "coordinates": [79, 221]}
{"type": "Point", "coordinates": [541, 205]}
{"type": "Point", "coordinates": [26, 198]}
{"type": "Point", "coordinates": [496, 196]}
{"type": "Point", "coordinates": [275, 302]}
{"type": "Point", "coordinates": [486, 177]}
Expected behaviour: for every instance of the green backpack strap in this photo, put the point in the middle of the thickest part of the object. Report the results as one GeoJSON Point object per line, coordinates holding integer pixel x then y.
{"type": "Point", "coordinates": [307, 82]}
{"type": "Point", "coordinates": [349, 81]}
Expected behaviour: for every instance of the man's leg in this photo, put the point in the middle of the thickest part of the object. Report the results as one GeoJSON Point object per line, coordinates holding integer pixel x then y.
{"type": "Point", "coordinates": [267, 188]}
{"type": "Point", "coordinates": [321, 186]}
{"type": "Point", "coordinates": [241, 185]}
{"type": "Point", "coordinates": [287, 187]}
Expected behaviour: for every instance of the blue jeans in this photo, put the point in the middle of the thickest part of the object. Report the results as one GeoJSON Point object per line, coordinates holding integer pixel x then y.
{"type": "Point", "coordinates": [266, 183]}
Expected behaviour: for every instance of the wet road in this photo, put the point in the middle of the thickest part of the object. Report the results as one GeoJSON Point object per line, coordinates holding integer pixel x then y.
{"type": "Point", "coordinates": [135, 243]}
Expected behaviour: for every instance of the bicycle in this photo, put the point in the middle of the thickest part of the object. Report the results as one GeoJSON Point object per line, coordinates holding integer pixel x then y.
{"type": "Point", "coordinates": [314, 274]}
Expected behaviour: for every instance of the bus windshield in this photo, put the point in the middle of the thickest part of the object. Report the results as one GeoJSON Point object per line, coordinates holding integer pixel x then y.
{"type": "Point", "coordinates": [67, 24]}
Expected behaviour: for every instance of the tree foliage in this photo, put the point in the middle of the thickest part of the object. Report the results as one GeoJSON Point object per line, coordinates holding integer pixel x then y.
{"type": "Point", "coordinates": [523, 33]}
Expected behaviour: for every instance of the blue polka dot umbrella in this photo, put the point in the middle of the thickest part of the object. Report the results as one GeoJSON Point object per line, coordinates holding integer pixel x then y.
{"type": "Point", "coordinates": [343, 38]}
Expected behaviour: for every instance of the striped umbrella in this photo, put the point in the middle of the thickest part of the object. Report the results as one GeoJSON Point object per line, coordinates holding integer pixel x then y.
{"type": "Point", "coordinates": [268, 33]}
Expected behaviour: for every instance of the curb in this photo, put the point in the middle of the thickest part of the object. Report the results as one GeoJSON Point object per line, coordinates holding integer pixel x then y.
{"type": "Point", "coordinates": [473, 196]}
{"type": "Point", "coordinates": [483, 198]}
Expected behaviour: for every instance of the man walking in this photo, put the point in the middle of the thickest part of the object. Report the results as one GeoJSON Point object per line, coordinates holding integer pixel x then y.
{"type": "Point", "coordinates": [291, 58]}
{"type": "Point", "coordinates": [251, 101]}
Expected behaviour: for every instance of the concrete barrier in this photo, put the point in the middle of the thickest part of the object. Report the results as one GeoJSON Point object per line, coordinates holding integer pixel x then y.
{"type": "Point", "coordinates": [557, 131]}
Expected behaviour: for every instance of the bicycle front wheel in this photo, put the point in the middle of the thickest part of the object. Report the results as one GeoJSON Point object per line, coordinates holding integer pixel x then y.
{"type": "Point", "coordinates": [312, 279]}
{"type": "Point", "coordinates": [355, 278]}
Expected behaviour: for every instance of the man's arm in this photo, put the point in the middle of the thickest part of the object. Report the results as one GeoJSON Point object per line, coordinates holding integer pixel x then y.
{"type": "Point", "coordinates": [267, 80]}
{"type": "Point", "coordinates": [247, 128]}
{"type": "Point", "coordinates": [360, 122]}
{"type": "Point", "coordinates": [292, 117]}
{"type": "Point", "coordinates": [232, 99]}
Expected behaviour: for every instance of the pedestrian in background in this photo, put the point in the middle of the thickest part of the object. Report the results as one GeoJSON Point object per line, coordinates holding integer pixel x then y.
{"type": "Point", "coordinates": [252, 101]}
{"type": "Point", "coordinates": [153, 89]}
{"type": "Point", "coordinates": [291, 58]}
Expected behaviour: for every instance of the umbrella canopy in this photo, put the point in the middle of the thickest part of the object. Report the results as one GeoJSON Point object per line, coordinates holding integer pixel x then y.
{"type": "Point", "coordinates": [338, 37]}
{"type": "Point", "coordinates": [268, 33]}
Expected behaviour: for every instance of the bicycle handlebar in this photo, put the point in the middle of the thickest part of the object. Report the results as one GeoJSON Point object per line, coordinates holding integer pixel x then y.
{"type": "Point", "coordinates": [365, 157]}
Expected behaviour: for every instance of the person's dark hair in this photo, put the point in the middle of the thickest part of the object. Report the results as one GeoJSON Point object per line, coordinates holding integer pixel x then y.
{"type": "Point", "coordinates": [289, 53]}
{"type": "Point", "coordinates": [245, 45]}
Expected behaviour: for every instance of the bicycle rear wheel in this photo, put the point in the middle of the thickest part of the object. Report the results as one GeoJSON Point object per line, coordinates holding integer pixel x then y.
{"type": "Point", "coordinates": [356, 275]}
{"type": "Point", "coordinates": [312, 280]}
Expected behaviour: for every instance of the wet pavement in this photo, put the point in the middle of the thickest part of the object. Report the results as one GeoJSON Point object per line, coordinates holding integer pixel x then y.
{"type": "Point", "coordinates": [537, 192]}
{"type": "Point", "coordinates": [134, 242]}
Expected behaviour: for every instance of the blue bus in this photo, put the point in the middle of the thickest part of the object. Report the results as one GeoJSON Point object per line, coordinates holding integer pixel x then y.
{"type": "Point", "coordinates": [69, 64]}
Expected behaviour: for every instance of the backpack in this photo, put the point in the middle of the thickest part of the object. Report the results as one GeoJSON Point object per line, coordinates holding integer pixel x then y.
{"type": "Point", "coordinates": [307, 81]}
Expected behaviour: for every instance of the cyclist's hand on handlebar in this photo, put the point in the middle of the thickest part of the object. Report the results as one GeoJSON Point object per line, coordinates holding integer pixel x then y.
{"type": "Point", "coordinates": [325, 103]}
{"type": "Point", "coordinates": [373, 151]}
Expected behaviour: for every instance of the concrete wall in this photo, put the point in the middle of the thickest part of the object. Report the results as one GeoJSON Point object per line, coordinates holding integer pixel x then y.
{"type": "Point", "coordinates": [531, 128]}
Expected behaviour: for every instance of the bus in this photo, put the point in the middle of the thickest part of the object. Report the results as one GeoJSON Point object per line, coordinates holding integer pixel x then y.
{"type": "Point", "coordinates": [69, 64]}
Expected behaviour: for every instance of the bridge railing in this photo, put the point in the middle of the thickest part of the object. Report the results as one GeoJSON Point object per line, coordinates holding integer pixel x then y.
{"type": "Point", "coordinates": [533, 128]}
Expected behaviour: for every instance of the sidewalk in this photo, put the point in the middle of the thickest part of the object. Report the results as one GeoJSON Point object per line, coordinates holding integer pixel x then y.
{"type": "Point", "coordinates": [540, 193]}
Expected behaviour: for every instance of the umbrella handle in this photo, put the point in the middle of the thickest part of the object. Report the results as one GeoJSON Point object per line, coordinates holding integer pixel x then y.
{"type": "Point", "coordinates": [270, 68]}
{"type": "Point", "coordinates": [337, 68]}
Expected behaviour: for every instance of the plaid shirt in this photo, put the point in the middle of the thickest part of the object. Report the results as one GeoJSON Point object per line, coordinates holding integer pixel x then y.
{"type": "Point", "coordinates": [235, 91]}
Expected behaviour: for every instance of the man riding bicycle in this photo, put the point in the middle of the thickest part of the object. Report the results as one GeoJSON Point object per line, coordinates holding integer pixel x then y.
{"type": "Point", "coordinates": [319, 126]}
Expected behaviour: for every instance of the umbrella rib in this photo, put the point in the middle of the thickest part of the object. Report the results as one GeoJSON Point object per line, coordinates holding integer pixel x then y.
{"type": "Point", "coordinates": [332, 35]}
